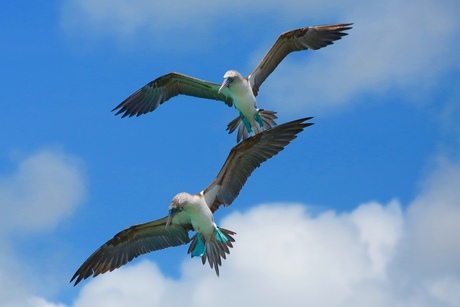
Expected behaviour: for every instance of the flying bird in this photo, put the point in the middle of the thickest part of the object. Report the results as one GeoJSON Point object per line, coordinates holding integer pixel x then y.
{"type": "Point", "coordinates": [194, 212]}
{"type": "Point", "coordinates": [235, 90]}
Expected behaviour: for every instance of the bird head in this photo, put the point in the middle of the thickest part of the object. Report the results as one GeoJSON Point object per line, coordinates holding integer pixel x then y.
{"type": "Point", "coordinates": [171, 214]}
{"type": "Point", "coordinates": [229, 77]}
{"type": "Point", "coordinates": [177, 205]}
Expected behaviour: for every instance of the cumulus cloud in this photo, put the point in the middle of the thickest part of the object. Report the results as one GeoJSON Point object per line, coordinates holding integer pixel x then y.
{"type": "Point", "coordinates": [41, 192]}
{"type": "Point", "coordinates": [394, 47]}
{"type": "Point", "coordinates": [430, 245]}
{"type": "Point", "coordinates": [45, 188]}
{"type": "Point", "coordinates": [375, 255]}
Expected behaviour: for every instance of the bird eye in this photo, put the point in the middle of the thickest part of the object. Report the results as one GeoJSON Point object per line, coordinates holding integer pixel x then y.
{"type": "Point", "coordinates": [230, 79]}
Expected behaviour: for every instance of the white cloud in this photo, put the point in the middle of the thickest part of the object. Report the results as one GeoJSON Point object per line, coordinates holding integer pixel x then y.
{"type": "Point", "coordinates": [394, 48]}
{"type": "Point", "coordinates": [40, 302]}
{"type": "Point", "coordinates": [433, 225]}
{"type": "Point", "coordinates": [137, 285]}
{"type": "Point", "coordinates": [151, 23]}
{"type": "Point", "coordinates": [45, 189]}
{"type": "Point", "coordinates": [375, 255]}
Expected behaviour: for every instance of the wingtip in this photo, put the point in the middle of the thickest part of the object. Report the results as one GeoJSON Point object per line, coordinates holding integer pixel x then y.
{"type": "Point", "coordinates": [347, 26]}
{"type": "Point", "coordinates": [77, 280]}
{"type": "Point", "coordinates": [80, 275]}
{"type": "Point", "coordinates": [296, 126]}
{"type": "Point", "coordinates": [303, 121]}
{"type": "Point", "coordinates": [119, 111]}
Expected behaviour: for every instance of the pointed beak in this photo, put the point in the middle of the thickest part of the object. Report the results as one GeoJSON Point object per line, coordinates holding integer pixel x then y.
{"type": "Point", "coordinates": [224, 85]}
{"type": "Point", "coordinates": [170, 217]}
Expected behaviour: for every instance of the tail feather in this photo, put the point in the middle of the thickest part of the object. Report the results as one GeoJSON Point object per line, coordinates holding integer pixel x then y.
{"type": "Point", "coordinates": [266, 117]}
{"type": "Point", "coordinates": [242, 133]}
{"type": "Point", "coordinates": [215, 247]}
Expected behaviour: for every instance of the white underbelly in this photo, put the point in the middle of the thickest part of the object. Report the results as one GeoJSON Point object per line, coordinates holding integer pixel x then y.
{"type": "Point", "coordinates": [246, 105]}
{"type": "Point", "coordinates": [203, 223]}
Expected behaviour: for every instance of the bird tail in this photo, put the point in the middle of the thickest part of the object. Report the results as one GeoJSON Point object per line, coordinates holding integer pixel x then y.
{"type": "Point", "coordinates": [267, 118]}
{"type": "Point", "coordinates": [212, 249]}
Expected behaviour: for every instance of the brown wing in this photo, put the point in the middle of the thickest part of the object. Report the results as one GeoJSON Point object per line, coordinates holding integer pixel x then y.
{"type": "Point", "coordinates": [245, 157]}
{"type": "Point", "coordinates": [131, 243]}
{"type": "Point", "coordinates": [149, 97]}
{"type": "Point", "coordinates": [296, 40]}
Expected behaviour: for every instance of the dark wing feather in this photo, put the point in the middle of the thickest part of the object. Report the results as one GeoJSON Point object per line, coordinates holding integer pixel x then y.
{"type": "Point", "coordinates": [131, 243]}
{"type": "Point", "coordinates": [149, 97]}
{"type": "Point", "coordinates": [296, 40]}
{"type": "Point", "coordinates": [245, 157]}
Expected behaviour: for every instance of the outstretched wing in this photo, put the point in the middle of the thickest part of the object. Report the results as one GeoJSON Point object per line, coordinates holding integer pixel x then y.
{"type": "Point", "coordinates": [149, 97]}
{"type": "Point", "coordinates": [245, 157]}
{"type": "Point", "coordinates": [129, 244]}
{"type": "Point", "coordinates": [296, 40]}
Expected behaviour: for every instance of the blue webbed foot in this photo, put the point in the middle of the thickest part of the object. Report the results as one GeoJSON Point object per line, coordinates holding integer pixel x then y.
{"type": "Point", "coordinates": [259, 119]}
{"type": "Point", "coordinates": [220, 236]}
{"type": "Point", "coordinates": [246, 122]}
{"type": "Point", "coordinates": [200, 248]}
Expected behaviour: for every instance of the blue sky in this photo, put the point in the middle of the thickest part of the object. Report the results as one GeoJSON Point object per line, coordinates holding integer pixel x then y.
{"type": "Point", "coordinates": [364, 204]}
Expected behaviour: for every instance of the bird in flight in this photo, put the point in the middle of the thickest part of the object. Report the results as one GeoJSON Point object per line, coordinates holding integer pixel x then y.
{"type": "Point", "coordinates": [235, 90]}
{"type": "Point", "coordinates": [194, 212]}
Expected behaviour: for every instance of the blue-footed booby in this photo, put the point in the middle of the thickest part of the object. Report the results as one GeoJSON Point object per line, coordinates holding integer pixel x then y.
{"type": "Point", "coordinates": [194, 212]}
{"type": "Point", "coordinates": [235, 90]}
